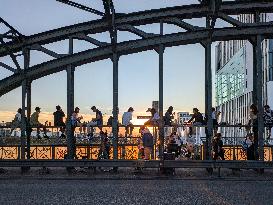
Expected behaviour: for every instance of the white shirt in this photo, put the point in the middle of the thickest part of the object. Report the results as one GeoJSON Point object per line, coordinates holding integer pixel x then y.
{"type": "Point", "coordinates": [213, 115]}
{"type": "Point", "coordinates": [18, 117]}
{"type": "Point", "coordinates": [126, 118]}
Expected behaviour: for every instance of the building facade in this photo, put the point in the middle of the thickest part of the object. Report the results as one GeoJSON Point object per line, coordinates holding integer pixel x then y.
{"type": "Point", "coordinates": [183, 117]}
{"type": "Point", "coordinates": [234, 75]}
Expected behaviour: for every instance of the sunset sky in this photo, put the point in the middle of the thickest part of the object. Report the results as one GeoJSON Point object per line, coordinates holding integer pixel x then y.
{"type": "Point", "coordinates": [138, 73]}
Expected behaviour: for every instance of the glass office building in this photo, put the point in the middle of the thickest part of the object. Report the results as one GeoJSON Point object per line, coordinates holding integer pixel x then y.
{"type": "Point", "coordinates": [234, 76]}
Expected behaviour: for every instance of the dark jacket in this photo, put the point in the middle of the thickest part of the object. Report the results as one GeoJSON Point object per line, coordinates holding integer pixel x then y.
{"type": "Point", "coordinates": [147, 139]}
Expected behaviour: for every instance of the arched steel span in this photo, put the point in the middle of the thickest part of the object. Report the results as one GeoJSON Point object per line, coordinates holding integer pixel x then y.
{"type": "Point", "coordinates": [134, 46]}
{"type": "Point", "coordinates": [139, 18]}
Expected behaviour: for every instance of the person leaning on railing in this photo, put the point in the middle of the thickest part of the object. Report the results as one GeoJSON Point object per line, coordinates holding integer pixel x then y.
{"type": "Point", "coordinates": [253, 128]}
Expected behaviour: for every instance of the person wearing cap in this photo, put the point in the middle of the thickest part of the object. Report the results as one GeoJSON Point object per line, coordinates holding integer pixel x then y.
{"type": "Point", "coordinates": [155, 118]}
{"type": "Point", "coordinates": [268, 120]}
{"type": "Point", "coordinates": [126, 121]}
{"type": "Point", "coordinates": [17, 120]}
{"type": "Point", "coordinates": [58, 119]}
{"type": "Point", "coordinates": [34, 122]}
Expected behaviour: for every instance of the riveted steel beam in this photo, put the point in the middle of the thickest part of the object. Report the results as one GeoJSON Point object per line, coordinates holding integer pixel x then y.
{"type": "Point", "coordinates": [138, 18]}
{"type": "Point", "coordinates": [133, 46]}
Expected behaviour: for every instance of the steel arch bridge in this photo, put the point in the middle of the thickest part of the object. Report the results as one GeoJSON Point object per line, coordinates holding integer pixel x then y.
{"type": "Point", "coordinates": [14, 44]}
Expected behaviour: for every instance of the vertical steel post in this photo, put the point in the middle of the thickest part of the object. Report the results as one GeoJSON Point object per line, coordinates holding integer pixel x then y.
{"type": "Point", "coordinates": [259, 90]}
{"type": "Point", "coordinates": [70, 106]}
{"type": "Point", "coordinates": [110, 17]}
{"type": "Point", "coordinates": [257, 95]}
{"type": "Point", "coordinates": [28, 116]}
{"type": "Point", "coordinates": [161, 126]}
{"type": "Point", "coordinates": [23, 120]}
{"type": "Point", "coordinates": [208, 93]}
{"type": "Point", "coordinates": [26, 53]}
{"type": "Point", "coordinates": [115, 105]}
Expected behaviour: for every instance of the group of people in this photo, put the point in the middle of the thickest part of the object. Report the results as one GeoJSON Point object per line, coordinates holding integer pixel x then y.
{"type": "Point", "coordinates": [251, 140]}
{"type": "Point", "coordinates": [197, 119]}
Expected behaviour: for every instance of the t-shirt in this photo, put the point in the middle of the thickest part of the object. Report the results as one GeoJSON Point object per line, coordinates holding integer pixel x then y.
{"type": "Point", "coordinates": [213, 115]}
{"type": "Point", "coordinates": [99, 115]}
{"type": "Point", "coordinates": [34, 118]}
{"type": "Point", "coordinates": [18, 117]}
{"type": "Point", "coordinates": [58, 117]}
{"type": "Point", "coordinates": [126, 118]}
{"type": "Point", "coordinates": [156, 117]}
{"type": "Point", "coordinates": [168, 119]}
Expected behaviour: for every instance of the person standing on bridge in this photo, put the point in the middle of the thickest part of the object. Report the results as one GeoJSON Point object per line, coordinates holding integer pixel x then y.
{"type": "Point", "coordinates": [148, 142]}
{"type": "Point", "coordinates": [217, 147]}
{"type": "Point", "coordinates": [253, 128]}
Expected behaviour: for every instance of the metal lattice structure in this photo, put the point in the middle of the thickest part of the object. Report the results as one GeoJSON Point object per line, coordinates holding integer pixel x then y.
{"type": "Point", "coordinates": [14, 44]}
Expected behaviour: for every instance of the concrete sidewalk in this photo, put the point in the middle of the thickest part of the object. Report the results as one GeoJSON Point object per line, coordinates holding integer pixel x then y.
{"type": "Point", "coordinates": [131, 173]}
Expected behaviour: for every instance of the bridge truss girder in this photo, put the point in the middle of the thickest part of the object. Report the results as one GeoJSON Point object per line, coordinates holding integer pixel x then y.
{"type": "Point", "coordinates": [254, 32]}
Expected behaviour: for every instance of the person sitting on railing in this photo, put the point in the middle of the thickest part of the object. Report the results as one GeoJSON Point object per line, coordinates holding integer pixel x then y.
{"type": "Point", "coordinates": [58, 120]}
{"type": "Point", "coordinates": [148, 142]}
{"type": "Point", "coordinates": [168, 122]}
{"type": "Point", "coordinates": [126, 121]}
{"type": "Point", "coordinates": [197, 119]}
{"type": "Point", "coordinates": [154, 119]}
{"type": "Point", "coordinates": [168, 118]}
{"type": "Point", "coordinates": [17, 121]}
{"type": "Point", "coordinates": [34, 122]}
{"type": "Point", "coordinates": [268, 120]}
{"type": "Point", "coordinates": [217, 147]}
{"type": "Point", "coordinates": [97, 121]}
{"type": "Point", "coordinates": [76, 119]}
